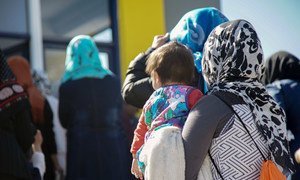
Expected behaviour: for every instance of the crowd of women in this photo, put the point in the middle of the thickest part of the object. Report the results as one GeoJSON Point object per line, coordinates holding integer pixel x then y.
{"type": "Point", "coordinates": [205, 85]}
{"type": "Point", "coordinates": [237, 123]}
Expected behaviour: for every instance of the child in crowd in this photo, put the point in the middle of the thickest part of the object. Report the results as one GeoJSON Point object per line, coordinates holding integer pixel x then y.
{"type": "Point", "coordinates": [171, 68]}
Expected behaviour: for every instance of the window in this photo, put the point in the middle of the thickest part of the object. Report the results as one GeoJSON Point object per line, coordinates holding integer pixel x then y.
{"type": "Point", "coordinates": [14, 36]}
{"type": "Point", "coordinates": [63, 20]}
{"type": "Point", "coordinates": [66, 19]}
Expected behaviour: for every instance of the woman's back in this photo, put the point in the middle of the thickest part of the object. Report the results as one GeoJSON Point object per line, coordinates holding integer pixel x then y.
{"type": "Point", "coordinates": [16, 138]}
{"type": "Point", "coordinates": [90, 102]}
{"type": "Point", "coordinates": [97, 148]}
{"type": "Point", "coordinates": [233, 150]}
{"type": "Point", "coordinates": [287, 93]}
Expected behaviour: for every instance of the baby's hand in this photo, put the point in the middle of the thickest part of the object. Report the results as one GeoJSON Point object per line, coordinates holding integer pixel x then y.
{"type": "Point", "coordinates": [159, 40]}
{"type": "Point", "coordinates": [297, 156]}
{"type": "Point", "coordinates": [38, 140]}
{"type": "Point", "coordinates": [135, 169]}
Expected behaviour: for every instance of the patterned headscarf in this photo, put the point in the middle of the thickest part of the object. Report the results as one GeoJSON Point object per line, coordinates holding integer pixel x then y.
{"type": "Point", "coordinates": [10, 91]}
{"type": "Point", "coordinates": [233, 62]}
{"type": "Point", "coordinates": [281, 65]}
{"type": "Point", "coordinates": [21, 70]}
{"type": "Point", "coordinates": [82, 60]}
{"type": "Point", "coordinates": [41, 81]}
{"type": "Point", "coordinates": [193, 29]}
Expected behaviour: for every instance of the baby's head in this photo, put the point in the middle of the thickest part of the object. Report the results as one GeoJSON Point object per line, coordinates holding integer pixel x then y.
{"type": "Point", "coordinates": [172, 63]}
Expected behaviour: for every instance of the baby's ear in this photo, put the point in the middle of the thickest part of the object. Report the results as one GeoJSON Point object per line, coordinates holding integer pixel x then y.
{"type": "Point", "coordinates": [156, 80]}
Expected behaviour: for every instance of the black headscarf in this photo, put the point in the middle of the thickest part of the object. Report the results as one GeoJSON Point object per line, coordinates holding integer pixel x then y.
{"type": "Point", "coordinates": [5, 72]}
{"type": "Point", "coordinates": [281, 65]}
{"type": "Point", "coordinates": [10, 91]}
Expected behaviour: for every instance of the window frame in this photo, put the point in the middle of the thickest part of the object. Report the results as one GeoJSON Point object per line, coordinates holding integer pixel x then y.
{"type": "Point", "coordinates": [111, 48]}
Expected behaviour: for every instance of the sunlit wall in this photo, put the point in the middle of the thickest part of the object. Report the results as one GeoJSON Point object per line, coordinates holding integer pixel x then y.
{"type": "Point", "coordinates": [139, 21]}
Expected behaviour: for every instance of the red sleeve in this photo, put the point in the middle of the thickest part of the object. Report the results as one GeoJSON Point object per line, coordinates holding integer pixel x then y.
{"type": "Point", "coordinates": [139, 135]}
{"type": "Point", "coordinates": [193, 97]}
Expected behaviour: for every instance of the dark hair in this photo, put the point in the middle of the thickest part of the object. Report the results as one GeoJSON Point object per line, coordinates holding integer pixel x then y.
{"type": "Point", "coordinates": [173, 62]}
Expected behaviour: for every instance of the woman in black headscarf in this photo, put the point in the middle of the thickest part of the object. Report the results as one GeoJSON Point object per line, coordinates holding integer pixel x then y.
{"type": "Point", "coordinates": [16, 129]}
{"type": "Point", "coordinates": [282, 79]}
{"type": "Point", "coordinates": [281, 65]}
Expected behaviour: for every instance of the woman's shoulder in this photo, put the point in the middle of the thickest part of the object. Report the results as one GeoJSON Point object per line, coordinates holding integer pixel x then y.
{"type": "Point", "coordinates": [88, 81]}
{"type": "Point", "coordinates": [290, 84]}
{"type": "Point", "coordinates": [210, 104]}
{"type": "Point", "coordinates": [283, 83]}
{"type": "Point", "coordinates": [285, 87]}
{"type": "Point", "coordinates": [213, 105]}
{"type": "Point", "coordinates": [217, 98]}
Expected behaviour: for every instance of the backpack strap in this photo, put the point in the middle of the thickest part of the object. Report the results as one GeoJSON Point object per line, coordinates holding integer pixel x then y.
{"type": "Point", "coordinates": [242, 124]}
